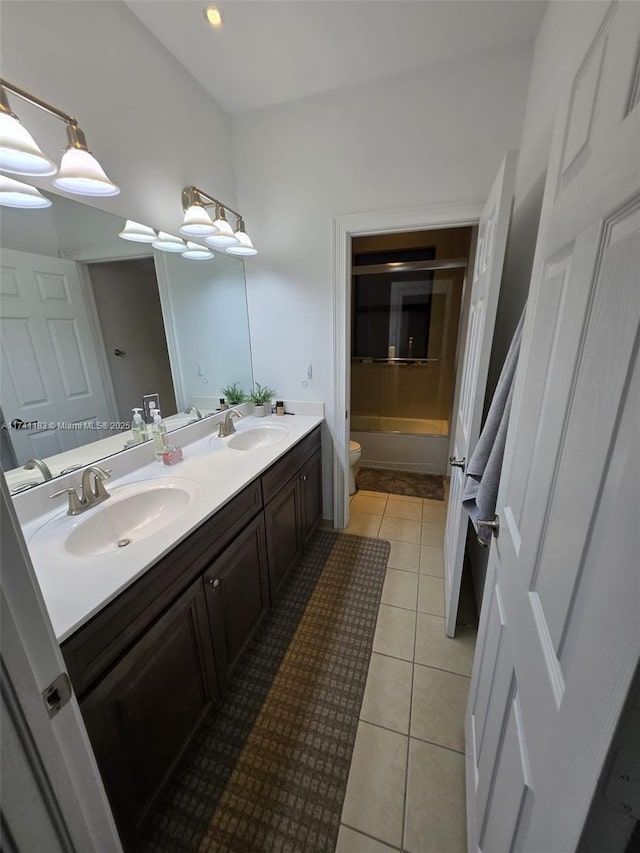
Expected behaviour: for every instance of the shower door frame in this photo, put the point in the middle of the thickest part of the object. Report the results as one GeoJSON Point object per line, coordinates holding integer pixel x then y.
{"type": "Point", "coordinates": [344, 229]}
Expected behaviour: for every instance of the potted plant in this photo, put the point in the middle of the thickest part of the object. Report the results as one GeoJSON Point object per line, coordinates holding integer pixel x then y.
{"type": "Point", "coordinates": [233, 394]}
{"type": "Point", "coordinates": [261, 397]}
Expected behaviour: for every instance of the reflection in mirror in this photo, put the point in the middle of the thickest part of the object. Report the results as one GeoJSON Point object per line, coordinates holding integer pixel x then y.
{"type": "Point", "coordinates": [89, 324]}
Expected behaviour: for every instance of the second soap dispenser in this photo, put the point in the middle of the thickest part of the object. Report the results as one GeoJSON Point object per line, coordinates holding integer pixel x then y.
{"type": "Point", "coordinates": [159, 433]}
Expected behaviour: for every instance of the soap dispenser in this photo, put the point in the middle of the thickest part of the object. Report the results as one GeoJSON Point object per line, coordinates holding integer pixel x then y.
{"type": "Point", "coordinates": [138, 427]}
{"type": "Point", "coordinates": [159, 433]}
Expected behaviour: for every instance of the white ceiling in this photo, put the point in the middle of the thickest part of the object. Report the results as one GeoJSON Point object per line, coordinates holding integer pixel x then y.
{"type": "Point", "coordinates": [272, 51]}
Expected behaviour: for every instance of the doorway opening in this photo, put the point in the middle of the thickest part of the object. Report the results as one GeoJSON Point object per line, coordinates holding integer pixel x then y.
{"type": "Point", "coordinates": [127, 304]}
{"type": "Point", "coordinates": [406, 305]}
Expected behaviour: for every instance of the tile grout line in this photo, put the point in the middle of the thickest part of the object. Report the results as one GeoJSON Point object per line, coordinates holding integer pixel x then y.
{"type": "Point", "coordinates": [411, 737]}
{"type": "Point", "coordinates": [429, 665]}
{"type": "Point", "coordinates": [406, 772]}
{"type": "Point", "coordinates": [372, 837]}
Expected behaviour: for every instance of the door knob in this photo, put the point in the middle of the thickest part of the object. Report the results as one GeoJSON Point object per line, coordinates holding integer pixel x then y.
{"type": "Point", "coordinates": [494, 526]}
{"type": "Point", "coordinates": [457, 463]}
{"type": "Point", "coordinates": [119, 352]}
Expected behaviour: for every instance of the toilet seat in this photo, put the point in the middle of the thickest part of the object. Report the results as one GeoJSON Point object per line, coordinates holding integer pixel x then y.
{"type": "Point", "coordinates": [354, 447]}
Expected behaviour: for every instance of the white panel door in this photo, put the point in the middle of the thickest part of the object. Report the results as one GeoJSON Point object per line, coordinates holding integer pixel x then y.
{"type": "Point", "coordinates": [485, 290]}
{"type": "Point", "coordinates": [49, 372]}
{"type": "Point", "coordinates": [559, 635]}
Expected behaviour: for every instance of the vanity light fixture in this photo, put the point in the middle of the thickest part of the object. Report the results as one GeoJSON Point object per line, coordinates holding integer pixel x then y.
{"type": "Point", "coordinates": [245, 246]}
{"type": "Point", "coordinates": [79, 174]}
{"type": "Point", "coordinates": [196, 252]}
{"type": "Point", "coordinates": [137, 233]}
{"type": "Point", "coordinates": [168, 243]}
{"type": "Point", "coordinates": [18, 194]}
{"type": "Point", "coordinates": [194, 203]}
{"type": "Point", "coordinates": [197, 222]}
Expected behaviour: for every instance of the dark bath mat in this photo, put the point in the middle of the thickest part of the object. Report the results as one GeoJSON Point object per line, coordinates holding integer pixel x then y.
{"type": "Point", "coordinates": [268, 770]}
{"type": "Point", "coordinates": [401, 483]}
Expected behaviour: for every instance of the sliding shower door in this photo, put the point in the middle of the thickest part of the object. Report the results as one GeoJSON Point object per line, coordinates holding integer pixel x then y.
{"type": "Point", "coordinates": [404, 334]}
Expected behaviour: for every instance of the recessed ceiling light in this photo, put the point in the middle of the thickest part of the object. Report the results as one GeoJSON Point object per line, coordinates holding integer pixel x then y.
{"type": "Point", "coordinates": [213, 16]}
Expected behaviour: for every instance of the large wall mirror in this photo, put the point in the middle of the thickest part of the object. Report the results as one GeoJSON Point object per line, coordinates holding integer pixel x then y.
{"type": "Point", "coordinates": [90, 323]}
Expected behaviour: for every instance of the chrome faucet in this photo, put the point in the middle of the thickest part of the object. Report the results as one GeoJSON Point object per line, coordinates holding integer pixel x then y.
{"type": "Point", "coordinates": [92, 493]}
{"type": "Point", "coordinates": [226, 427]}
{"type": "Point", "coordinates": [195, 409]}
{"type": "Point", "coordinates": [41, 466]}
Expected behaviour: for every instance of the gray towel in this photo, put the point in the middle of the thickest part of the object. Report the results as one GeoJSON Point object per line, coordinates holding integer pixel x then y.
{"type": "Point", "coordinates": [483, 471]}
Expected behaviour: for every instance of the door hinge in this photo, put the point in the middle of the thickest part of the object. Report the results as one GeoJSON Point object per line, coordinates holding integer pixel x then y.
{"type": "Point", "coordinates": [57, 694]}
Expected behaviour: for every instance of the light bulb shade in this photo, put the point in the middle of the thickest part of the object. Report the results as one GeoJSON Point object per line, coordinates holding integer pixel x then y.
{"type": "Point", "coordinates": [195, 252]}
{"type": "Point", "coordinates": [168, 243]}
{"type": "Point", "coordinates": [19, 153]}
{"type": "Point", "coordinates": [197, 222]}
{"type": "Point", "coordinates": [81, 174]}
{"type": "Point", "coordinates": [17, 194]}
{"type": "Point", "coordinates": [245, 246]}
{"type": "Point", "coordinates": [137, 233]}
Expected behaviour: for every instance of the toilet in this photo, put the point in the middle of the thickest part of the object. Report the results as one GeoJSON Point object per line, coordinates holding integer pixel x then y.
{"type": "Point", "coordinates": [354, 457]}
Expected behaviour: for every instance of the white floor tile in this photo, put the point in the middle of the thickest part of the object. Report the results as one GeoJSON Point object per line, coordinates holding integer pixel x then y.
{"type": "Point", "coordinates": [404, 555]}
{"type": "Point", "coordinates": [375, 792]}
{"type": "Point", "coordinates": [387, 696]}
{"type": "Point", "coordinates": [401, 529]}
{"type": "Point", "coordinates": [400, 589]}
{"type": "Point", "coordinates": [395, 632]}
{"type": "Point", "coordinates": [434, 648]}
{"type": "Point", "coordinates": [364, 524]}
{"type": "Point", "coordinates": [432, 561]}
{"type": "Point", "coordinates": [433, 534]}
{"type": "Point", "coordinates": [431, 595]}
{"type": "Point", "coordinates": [438, 706]}
{"type": "Point", "coordinates": [435, 818]}
{"type": "Point", "coordinates": [435, 514]}
{"type": "Point", "coordinates": [368, 504]}
{"type": "Point", "coordinates": [411, 510]}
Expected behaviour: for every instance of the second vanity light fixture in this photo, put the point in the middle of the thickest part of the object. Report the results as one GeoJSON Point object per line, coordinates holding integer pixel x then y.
{"type": "Point", "coordinates": [79, 172]}
{"type": "Point", "coordinates": [218, 233]}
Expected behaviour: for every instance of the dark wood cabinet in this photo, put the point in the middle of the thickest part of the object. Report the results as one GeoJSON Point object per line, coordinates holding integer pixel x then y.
{"type": "Point", "coordinates": [283, 523]}
{"type": "Point", "coordinates": [311, 495]}
{"type": "Point", "coordinates": [290, 519]}
{"type": "Point", "coordinates": [141, 715]}
{"type": "Point", "coordinates": [237, 590]}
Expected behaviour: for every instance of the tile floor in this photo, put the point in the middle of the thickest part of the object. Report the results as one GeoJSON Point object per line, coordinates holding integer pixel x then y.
{"type": "Point", "coordinates": [406, 785]}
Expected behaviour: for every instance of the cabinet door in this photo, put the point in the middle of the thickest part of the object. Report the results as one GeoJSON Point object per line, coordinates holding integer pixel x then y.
{"type": "Point", "coordinates": [283, 522]}
{"type": "Point", "coordinates": [237, 590]}
{"type": "Point", "coordinates": [140, 716]}
{"type": "Point", "coordinates": [311, 495]}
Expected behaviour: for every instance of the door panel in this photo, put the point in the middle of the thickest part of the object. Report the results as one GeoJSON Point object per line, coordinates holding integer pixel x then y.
{"type": "Point", "coordinates": [48, 366]}
{"type": "Point", "coordinates": [564, 568]}
{"type": "Point", "coordinates": [485, 289]}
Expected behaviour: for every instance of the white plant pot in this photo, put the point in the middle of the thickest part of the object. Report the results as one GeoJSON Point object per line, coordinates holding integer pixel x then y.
{"type": "Point", "coordinates": [260, 411]}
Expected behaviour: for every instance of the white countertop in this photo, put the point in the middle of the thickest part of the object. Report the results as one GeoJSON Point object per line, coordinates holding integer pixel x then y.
{"type": "Point", "coordinates": [75, 588]}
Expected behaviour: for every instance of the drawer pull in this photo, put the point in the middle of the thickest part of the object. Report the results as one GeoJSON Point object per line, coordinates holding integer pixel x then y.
{"type": "Point", "coordinates": [303, 477]}
{"type": "Point", "coordinates": [214, 583]}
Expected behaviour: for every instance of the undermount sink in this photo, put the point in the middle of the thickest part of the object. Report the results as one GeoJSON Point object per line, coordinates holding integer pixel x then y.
{"type": "Point", "coordinates": [131, 514]}
{"type": "Point", "coordinates": [257, 438]}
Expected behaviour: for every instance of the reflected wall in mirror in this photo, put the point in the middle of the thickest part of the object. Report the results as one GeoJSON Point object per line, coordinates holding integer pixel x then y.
{"type": "Point", "coordinates": [90, 323]}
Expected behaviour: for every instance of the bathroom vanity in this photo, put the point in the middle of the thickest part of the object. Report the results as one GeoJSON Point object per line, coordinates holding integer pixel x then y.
{"type": "Point", "coordinates": [148, 664]}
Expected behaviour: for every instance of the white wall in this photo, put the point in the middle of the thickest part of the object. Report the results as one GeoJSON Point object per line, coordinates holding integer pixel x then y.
{"type": "Point", "coordinates": [153, 128]}
{"type": "Point", "coordinates": [436, 135]}
{"type": "Point", "coordinates": [563, 39]}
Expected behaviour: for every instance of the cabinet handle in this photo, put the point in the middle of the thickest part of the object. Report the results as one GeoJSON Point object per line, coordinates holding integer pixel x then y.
{"type": "Point", "coordinates": [214, 583]}
{"type": "Point", "coordinates": [303, 477]}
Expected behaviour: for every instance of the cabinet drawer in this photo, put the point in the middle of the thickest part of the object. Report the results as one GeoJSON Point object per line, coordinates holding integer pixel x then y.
{"type": "Point", "coordinates": [99, 643]}
{"type": "Point", "coordinates": [282, 471]}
